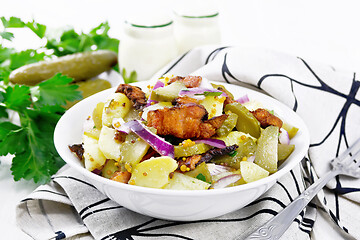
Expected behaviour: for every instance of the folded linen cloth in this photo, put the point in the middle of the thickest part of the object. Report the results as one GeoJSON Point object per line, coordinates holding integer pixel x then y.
{"type": "Point", "coordinates": [326, 99]}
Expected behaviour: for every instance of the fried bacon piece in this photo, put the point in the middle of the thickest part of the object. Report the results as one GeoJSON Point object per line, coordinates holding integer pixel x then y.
{"type": "Point", "coordinates": [78, 149]}
{"type": "Point", "coordinates": [184, 100]}
{"type": "Point", "coordinates": [135, 94]}
{"type": "Point", "coordinates": [190, 162]}
{"type": "Point", "coordinates": [193, 161]}
{"type": "Point", "coordinates": [123, 177]}
{"type": "Point", "coordinates": [119, 136]}
{"type": "Point", "coordinates": [228, 100]}
{"type": "Point", "coordinates": [266, 119]}
{"type": "Point", "coordinates": [184, 121]}
{"type": "Point", "coordinates": [189, 81]}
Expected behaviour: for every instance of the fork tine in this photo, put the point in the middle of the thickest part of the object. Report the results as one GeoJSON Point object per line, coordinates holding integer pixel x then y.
{"type": "Point", "coordinates": [349, 149]}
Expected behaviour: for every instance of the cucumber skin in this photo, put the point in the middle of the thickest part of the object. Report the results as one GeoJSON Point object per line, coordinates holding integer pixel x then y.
{"type": "Point", "coordinates": [79, 66]}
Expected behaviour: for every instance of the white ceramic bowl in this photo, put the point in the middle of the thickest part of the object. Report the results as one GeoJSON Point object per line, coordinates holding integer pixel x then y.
{"type": "Point", "coordinates": [180, 205]}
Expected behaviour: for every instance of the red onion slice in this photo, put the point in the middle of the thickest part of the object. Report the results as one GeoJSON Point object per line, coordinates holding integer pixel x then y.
{"type": "Point", "coordinates": [157, 143]}
{"type": "Point", "coordinates": [243, 99]}
{"type": "Point", "coordinates": [226, 181]}
{"type": "Point", "coordinates": [251, 158]}
{"type": "Point", "coordinates": [212, 142]}
{"type": "Point", "coordinates": [284, 137]}
{"type": "Point", "coordinates": [215, 169]}
{"type": "Point", "coordinates": [120, 125]}
{"type": "Point", "coordinates": [96, 171]}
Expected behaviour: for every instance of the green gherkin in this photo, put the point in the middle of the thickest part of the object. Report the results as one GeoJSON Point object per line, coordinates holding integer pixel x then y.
{"type": "Point", "coordinates": [246, 122]}
{"type": "Point", "coordinates": [79, 66]}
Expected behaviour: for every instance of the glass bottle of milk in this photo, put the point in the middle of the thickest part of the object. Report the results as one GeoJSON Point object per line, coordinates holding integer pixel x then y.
{"type": "Point", "coordinates": [196, 26]}
{"type": "Point", "coordinates": [147, 44]}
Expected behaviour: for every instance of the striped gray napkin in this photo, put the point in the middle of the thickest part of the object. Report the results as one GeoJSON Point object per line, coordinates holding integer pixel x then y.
{"type": "Point", "coordinates": [327, 100]}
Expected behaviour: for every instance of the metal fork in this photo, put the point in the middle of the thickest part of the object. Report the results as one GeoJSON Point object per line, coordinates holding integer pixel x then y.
{"type": "Point", "coordinates": [345, 164]}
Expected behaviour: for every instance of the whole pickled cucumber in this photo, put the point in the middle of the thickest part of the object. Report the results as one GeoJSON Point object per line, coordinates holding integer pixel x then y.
{"type": "Point", "coordinates": [90, 87]}
{"type": "Point", "coordinates": [80, 66]}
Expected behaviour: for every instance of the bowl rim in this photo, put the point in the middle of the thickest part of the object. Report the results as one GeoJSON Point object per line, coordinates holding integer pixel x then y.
{"type": "Point", "coordinates": [303, 132]}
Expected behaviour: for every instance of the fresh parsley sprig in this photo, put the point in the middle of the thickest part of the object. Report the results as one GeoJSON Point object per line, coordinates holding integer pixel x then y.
{"type": "Point", "coordinates": [39, 107]}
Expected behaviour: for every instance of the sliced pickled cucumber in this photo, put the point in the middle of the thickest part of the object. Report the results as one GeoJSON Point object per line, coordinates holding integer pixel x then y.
{"type": "Point", "coordinates": [168, 93]}
{"type": "Point", "coordinates": [247, 148]}
{"type": "Point", "coordinates": [97, 115]}
{"type": "Point", "coordinates": [284, 151]}
{"type": "Point", "coordinates": [201, 172]}
{"type": "Point", "coordinates": [252, 172]}
{"type": "Point", "coordinates": [246, 122]}
{"type": "Point", "coordinates": [110, 167]}
{"type": "Point", "coordinates": [228, 125]}
{"type": "Point", "coordinates": [183, 182]}
{"type": "Point", "coordinates": [290, 129]}
{"type": "Point", "coordinates": [267, 149]}
{"type": "Point", "coordinates": [80, 66]}
{"type": "Point", "coordinates": [223, 89]}
{"type": "Point", "coordinates": [185, 151]}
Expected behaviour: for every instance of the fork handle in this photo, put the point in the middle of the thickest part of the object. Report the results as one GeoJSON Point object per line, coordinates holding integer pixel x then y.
{"type": "Point", "coordinates": [277, 225]}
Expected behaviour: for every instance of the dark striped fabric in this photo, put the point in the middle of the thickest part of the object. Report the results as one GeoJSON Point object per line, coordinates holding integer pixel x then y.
{"type": "Point", "coordinates": [326, 99]}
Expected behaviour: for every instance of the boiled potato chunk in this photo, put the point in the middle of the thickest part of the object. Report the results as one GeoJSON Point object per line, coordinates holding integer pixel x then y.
{"type": "Point", "coordinates": [107, 144]}
{"type": "Point", "coordinates": [90, 130]}
{"type": "Point", "coordinates": [183, 182]}
{"type": "Point", "coordinates": [251, 172]}
{"type": "Point", "coordinates": [94, 158]}
{"type": "Point", "coordinates": [117, 106]}
{"type": "Point", "coordinates": [213, 105]}
{"type": "Point", "coordinates": [153, 173]}
{"type": "Point", "coordinates": [266, 155]}
{"type": "Point", "coordinates": [110, 167]}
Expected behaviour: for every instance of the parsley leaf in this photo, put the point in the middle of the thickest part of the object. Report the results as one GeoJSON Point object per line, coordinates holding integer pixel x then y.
{"type": "Point", "coordinates": [36, 157]}
{"type": "Point", "coordinates": [13, 22]}
{"type": "Point", "coordinates": [37, 28]}
{"type": "Point", "coordinates": [17, 97]}
{"type": "Point", "coordinates": [39, 107]}
{"type": "Point", "coordinates": [72, 42]}
{"type": "Point", "coordinates": [7, 35]}
{"type": "Point", "coordinates": [25, 57]}
{"type": "Point", "coordinates": [56, 91]}
{"type": "Point", "coordinates": [131, 78]}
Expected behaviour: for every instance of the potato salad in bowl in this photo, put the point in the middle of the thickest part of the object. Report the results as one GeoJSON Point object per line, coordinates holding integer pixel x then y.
{"type": "Point", "coordinates": [183, 133]}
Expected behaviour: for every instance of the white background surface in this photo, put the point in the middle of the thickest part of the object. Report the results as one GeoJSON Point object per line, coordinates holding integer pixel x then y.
{"type": "Point", "coordinates": [324, 31]}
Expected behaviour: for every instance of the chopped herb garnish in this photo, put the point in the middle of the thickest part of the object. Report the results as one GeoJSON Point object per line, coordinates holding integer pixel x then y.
{"type": "Point", "coordinates": [209, 93]}
{"type": "Point", "coordinates": [201, 177]}
{"type": "Point", "coordinates": [233, 153]}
